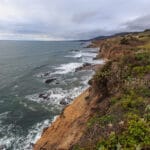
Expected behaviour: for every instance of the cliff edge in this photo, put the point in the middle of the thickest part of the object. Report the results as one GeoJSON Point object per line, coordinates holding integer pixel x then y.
{"type": "Point", "coordinates": [68, 127]}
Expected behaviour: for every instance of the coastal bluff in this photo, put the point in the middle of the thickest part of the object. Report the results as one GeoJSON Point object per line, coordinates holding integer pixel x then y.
{"type": "Point", "coordinates": [68, 128]}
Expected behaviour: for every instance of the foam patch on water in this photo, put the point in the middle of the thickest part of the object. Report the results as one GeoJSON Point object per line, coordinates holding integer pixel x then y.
{"type": "Point", "coordinates": [17, 142]}
{"type": "Point", "coordinates": [56, 95]}
{"type": "Point", "coordinates": [66, 68]}
{"type": "Point", "coordinates": [92, 61]}
{"type": "Point", "coordinates": [78, 55]}
{"type": "Point", "coordinates": [87, 56]}
{"type": "Point", "coordinates": [82, 54]}
{"type": "Point", "coordinates": [8, 137]}
{"type": "Point", "coordinates": [34, 133]}
{"type": "Point", "coordinates": [11, 140]}
{"type": "Point", "coordinates": [42, 75]}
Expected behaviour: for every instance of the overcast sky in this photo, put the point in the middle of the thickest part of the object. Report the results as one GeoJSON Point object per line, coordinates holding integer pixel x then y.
{"type": "Point", "coordinates": [71, 19]}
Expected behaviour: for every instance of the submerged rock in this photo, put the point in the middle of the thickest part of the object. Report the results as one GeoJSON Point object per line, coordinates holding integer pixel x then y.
{"type": "Point", "coordinates": [64, 102]}
{"type": "Point", "coordinates": [75, 50]}
{"type": "Point", "coordinates": [44, 130]}
{"type": "Point", "coordinates": [47, 81]}
{"type": "Point", "coordinates": [44, 96]}
{"type": "Point", "coordinates": [85, 66]}
{"type": "Point", "coordinates": [46, 74]}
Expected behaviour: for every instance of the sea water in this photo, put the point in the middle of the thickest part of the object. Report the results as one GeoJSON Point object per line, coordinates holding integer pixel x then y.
{"type": "Point", "coordinates": [27, 103]}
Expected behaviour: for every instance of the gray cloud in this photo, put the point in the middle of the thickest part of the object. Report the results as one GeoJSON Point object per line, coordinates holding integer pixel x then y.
{"type": "Point", "coordinates": [140, 23]}
{"type": "Point", "coordinates": [71, 19]}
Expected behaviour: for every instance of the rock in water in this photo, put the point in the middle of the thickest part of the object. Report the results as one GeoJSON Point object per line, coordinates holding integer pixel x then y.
{"type": "Point", "coordinates": [63, 102]}
{"type": "Point", "coordinates": [44, 96]}
{"type": "Point", "coordinates": [50, 80]}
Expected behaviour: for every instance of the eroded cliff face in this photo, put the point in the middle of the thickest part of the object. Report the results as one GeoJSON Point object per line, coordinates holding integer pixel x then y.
{"type": "Point", "coordinates": [69, 126]}
{"type": "Point", "coordinates": [117, 46]}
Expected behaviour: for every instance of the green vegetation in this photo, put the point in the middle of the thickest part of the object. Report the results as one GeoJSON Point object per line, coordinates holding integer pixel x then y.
{"type": "Point", "coordinates": [131, 101]}
{"type": "Point", "coordinates": [77, 147]}
{"type": "Point", "coordinates": [141, 70]}
{"type": "Point", "coordinates": [102, 121]}
{"type": "Point", "coordinates": [124, 41]}
{"type": "Point", "coordinates": [124, 83]}
{"type": "Point", "coordinates": [136, 135]}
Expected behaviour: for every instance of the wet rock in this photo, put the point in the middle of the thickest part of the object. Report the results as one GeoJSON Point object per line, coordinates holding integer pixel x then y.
{"type": "Point", "coordinates": [63, 102]}
{"type": "Point", "coordinates": [47, 81]}
{"type": "Point", "coordinates": [75, 50]}
{"type": "Point", "coordinates": [32, 145]}
{"type": "Point", "coordinates": [46, 74]}
{"type": "Point", "coordinates": [44, 130]}
{"type": "Point", "coordinates": [44, 96]}
{"type": "Point", "coordinates": [90, 82]}
{"type": "Point", "coordinates": [85, 66]}
{"type": "Point", "coordinates": [2, 147]}
{"type": "Point", "coordinates": [42, 75]}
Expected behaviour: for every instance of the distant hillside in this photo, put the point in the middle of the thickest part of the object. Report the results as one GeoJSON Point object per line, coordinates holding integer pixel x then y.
{"type": "Point", "coordinates": [117, 34]}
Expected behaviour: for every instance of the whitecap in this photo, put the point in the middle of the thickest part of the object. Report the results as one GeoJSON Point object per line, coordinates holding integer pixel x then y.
{"type": "Point", "coordinates": [66, 68]}
{"type": "Point", "coordinates": [55, 95]}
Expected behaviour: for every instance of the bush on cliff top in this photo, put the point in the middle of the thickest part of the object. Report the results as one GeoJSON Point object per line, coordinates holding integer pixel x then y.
{"type": "Point", "coordinates": [136, 135]}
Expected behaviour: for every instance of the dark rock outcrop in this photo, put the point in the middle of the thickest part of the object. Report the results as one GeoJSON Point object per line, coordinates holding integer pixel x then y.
{"type": "Point", "coordinates": [48, 81]}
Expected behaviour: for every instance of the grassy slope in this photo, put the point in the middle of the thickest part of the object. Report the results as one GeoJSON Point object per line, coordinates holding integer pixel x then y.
{"type": "Point", "coordinates": [124, 83]}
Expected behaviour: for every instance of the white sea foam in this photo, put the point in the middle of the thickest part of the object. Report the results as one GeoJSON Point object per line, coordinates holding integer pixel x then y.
{"type": "Point", "coordinates": [78, 55]}
{"type": "Point", "coordinates": [66, 68]}
{"type": "Point", "coordinates": [45, 74]}
{"type": "Point", "coordinates": [21, 142]}
{"type": "Point", "coordinates": [82, 54]}
{"type": "Point", "coordinates": [87, 56]}
{"type": "Point", "coordinates": [10, 140]}
{"type": "Point", "coordinates": [34, 133]}
{"type": "Point", "coordinates": [3, 115]}
{"type": "Point", "coordinates": [92, 61]}
{"type": "Point", "coordinates": [55, 95]}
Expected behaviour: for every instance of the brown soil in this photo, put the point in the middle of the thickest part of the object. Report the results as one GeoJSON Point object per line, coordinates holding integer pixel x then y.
{"type": "Point", "coordinates": [68, 127]}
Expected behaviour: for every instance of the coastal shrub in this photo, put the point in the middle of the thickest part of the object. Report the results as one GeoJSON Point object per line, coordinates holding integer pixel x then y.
{"type": "Point", "coordinates": [144, 58]}
{"type": "Point", "coordinates": [106, 119]}
{"type": "Point", "coordinates": [128, 62]}
{"type": "Point", "coordinates": [143, 91]}
{"type": "Point", "coordinates": [110, 143]}
{"type": "Point", "coordinates": [141, 70]}
{"type": "Point", "coordinates": [124, 41]}
{"type": "Point", "coordinates": [104, 72]}
{"type": "Point", "coordinates": [101, 74]}
{"type": "Point", "coordinates": [134, 136]}
{"type": "Point", "coordinates": [147, 113]}
{"type": "Point", "coordinates": [77, 147]}
{"type": "Point", "coordinates": [113, 100]}
{"type": "Point", "coordinates": [100, 80]}
{"type": "Point", "coordinates": [102, 121]}
{"type": "Point", "coordinates": [131, 102]}
{"type": "Point", "coordinates": [138, 132]}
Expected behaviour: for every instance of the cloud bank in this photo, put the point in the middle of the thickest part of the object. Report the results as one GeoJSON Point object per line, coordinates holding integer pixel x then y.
{"type": "Point", "coordinates": [70, 19]}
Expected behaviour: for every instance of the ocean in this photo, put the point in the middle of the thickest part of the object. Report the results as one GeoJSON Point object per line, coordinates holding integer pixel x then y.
{"type": "Point", "coordinates": [37, 80]}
